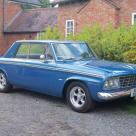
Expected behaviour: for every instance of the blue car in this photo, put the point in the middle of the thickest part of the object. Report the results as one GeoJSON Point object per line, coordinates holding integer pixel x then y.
{"type": "Point", "coordinates": [66, 69]}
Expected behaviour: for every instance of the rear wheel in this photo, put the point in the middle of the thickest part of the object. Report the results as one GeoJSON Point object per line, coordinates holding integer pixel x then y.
{"type": "Point", "coordinates": [78, 97]}
{"type": "Point", "coordinates": [4, 84]}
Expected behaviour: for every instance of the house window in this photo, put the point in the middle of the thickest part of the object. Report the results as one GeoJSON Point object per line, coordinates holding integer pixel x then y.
{"type": "Point", "coordinates": [133, 18]}
{"type": "Point", "coordinates": [69, 27]}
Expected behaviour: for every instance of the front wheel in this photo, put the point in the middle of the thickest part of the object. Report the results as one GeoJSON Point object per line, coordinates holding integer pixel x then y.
{"type": "Point", "coordinates": [130, 99]}
{"type": "Point", "coordinates": [78, 97]}
{"type": "Point", "coordinates": [4, 84]}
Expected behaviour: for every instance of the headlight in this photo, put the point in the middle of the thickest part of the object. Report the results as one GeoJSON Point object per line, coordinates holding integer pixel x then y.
{"type": "Point", "coordinates": [112, 83]}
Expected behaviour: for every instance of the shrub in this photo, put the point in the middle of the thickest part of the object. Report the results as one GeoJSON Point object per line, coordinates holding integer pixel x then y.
{"type": "Point", "coordinates": [111, 44]}
{"type": "Point", "coordinates": [50, 33]}
{"type": "Point", "coordinates": [93, 36]}
{"type": "Point", "coordinates": [130, 55]}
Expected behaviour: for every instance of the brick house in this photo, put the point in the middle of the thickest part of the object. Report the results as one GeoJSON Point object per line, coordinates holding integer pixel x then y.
{"type": "Point", "coordinates": [16, 24]}
{"type": "Point", "coordinates": [70, 17]}
{"type": "Point", "coordinates": [74, 15]}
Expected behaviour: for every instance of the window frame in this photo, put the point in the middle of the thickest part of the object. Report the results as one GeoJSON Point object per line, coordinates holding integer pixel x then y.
{"type": "Point", "coordinates": [133, 18]}
{"type": "Point", "coordinates": [66, 27]}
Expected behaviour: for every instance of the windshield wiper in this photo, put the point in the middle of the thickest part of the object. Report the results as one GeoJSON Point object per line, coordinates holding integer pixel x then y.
{"type": "Point", "coordinates": [70, 58]}
{"type": "Point", "coordinates": [81, 58]}
{"type": "Point", "coordinates": [78, 59]}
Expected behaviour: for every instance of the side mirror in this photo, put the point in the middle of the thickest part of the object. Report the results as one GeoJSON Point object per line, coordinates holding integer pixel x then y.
{"type": "Point", "coordinates": [42, 57]}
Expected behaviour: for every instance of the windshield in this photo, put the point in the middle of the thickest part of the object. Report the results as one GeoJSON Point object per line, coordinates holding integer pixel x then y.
{"type": "Point", "coordinates": [72, 51]}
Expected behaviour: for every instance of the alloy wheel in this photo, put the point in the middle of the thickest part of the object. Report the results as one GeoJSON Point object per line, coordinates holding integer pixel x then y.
{"type": "Point", "coordinates": [2, 81]}
{"type": "Point", "coordinates": [77, 97]}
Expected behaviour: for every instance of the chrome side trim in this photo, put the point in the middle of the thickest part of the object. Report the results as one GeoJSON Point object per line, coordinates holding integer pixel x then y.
{"type": "Point", "coordinates": [112, 96]}
{"type": "Point", "coordinates": [52, 68]}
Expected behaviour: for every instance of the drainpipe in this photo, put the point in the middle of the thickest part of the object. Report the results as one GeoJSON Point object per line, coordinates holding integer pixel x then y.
{"type": "Point", "coordinates": [5, 2]}
{"type": "Point", "coordinates": [3, 15]}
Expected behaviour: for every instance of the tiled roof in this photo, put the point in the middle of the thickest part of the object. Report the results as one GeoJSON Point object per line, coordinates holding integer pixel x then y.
{"type": "Point", "coordinates": [35, 20]}
{"type": "Point", "coordinates": [112, 3]}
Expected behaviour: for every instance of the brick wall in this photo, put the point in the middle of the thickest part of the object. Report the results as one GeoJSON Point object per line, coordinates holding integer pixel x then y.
{"type": "Point", "coordinates": [2, 40]}
{"type": "Point", "coordinates": [7, 13]}
{"type": "Point", "coordinates": [127, 8]}
{"type": "Point", "coordinates": [11, 38]}
{"type": "Point", "coordinates": [93, 12]}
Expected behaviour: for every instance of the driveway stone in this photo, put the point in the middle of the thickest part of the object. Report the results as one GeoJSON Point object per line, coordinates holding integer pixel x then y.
{"type": "Point", "coordinates": [24, 113]}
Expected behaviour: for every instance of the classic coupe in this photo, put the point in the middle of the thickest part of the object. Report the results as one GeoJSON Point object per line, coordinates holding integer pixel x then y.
{"type": "Point", "coordinates": [66, 69]}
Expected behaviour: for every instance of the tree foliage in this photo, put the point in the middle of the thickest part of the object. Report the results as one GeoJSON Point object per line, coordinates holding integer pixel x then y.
{"type": "Point", "coordinates": [26, 6]}
{"type": "Point", "coordinates": [49, 34]}
{"type": "Point", "coordinates": [42, 3]}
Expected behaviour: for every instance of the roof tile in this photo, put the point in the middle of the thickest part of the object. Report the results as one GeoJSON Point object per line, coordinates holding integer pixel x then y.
{"type": "Point", "coordinates": [35, 20]}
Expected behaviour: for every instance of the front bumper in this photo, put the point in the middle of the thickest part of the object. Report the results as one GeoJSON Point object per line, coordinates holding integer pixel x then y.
{"type": "Point", "coordinates": [112, 96]}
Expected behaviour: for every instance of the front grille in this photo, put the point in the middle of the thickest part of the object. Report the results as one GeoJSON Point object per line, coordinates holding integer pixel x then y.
{"type": "Point", "coordinates": [128, 81]}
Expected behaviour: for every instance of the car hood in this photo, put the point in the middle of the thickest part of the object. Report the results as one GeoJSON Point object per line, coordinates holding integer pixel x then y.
{"type": "Point", "coordinates": [111, 67]}
{"type": "Point", "coordinates": [106, 67]}
{"type": "Point", "coordinates": [98, 68]}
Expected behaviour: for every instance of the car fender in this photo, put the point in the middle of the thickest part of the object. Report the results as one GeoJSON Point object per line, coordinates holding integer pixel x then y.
{"type": "Point", "coordinates": [87, 81]}
{"type": "Point", "coordinates": [4, 71]}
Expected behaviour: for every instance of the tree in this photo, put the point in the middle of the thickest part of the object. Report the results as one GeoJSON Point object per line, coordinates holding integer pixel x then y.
{"type": "Point", "coordinates": [26, 6]}
{"type": "Point", "coordinates": [44, 3]}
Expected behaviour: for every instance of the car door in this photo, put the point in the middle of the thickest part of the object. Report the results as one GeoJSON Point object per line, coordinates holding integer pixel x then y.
{"type": "Point", "coordinates": [16, 65]}
{"type": "Point", "coordinates": [39, 72]}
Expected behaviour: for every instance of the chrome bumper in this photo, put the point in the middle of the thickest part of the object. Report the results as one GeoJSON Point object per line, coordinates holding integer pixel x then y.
{"type": "Point", "coordinates": [112, 96]}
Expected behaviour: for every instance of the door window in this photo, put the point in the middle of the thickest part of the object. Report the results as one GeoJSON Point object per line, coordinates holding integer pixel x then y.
{"type": "Point", "coordinates": [34, 51]}
{"type": "Point", "coordinates": [23, 51]}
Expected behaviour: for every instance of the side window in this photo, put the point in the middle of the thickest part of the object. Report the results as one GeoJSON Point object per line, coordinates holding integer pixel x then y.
{"type": "Point", "coordinates": [23, 51]}
{"type": "Point", "coordinates": [48, 53]}
{"type": "Point", "coordinates": [36, 50]}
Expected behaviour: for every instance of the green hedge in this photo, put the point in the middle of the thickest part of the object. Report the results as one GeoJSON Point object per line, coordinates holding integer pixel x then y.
{"type": "Point", "coordinates": [111, 44]}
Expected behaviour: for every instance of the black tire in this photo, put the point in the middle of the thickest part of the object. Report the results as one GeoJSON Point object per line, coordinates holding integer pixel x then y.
{"type": "Point", "coordinates": [84, 102]}
{"type": "Point", "coordinates": [5, 87]}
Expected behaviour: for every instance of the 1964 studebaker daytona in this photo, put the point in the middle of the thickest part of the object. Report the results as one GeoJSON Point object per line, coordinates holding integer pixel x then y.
{"type": "Point", "coordinates": [66, 69]}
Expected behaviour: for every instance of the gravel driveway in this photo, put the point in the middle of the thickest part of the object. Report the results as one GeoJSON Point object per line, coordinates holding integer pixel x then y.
{"type": "Point", "coordinates": [24, 113]}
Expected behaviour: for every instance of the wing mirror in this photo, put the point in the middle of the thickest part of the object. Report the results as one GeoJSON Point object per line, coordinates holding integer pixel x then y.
{"type": "Point", "coordinates": [42, 57]}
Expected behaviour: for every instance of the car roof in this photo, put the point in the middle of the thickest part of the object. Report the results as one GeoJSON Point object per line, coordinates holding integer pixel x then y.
{"type": "Point", "coordinates": [48, 41]}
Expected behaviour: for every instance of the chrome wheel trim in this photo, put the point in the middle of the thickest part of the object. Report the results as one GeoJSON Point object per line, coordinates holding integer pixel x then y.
{"type": "Point", "coordinates": [3, 81]}
{"type": "Point", "coordinates": [77, 97]}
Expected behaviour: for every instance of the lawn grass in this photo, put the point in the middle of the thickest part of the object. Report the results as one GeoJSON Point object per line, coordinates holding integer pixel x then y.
{"type": "Point", "coordinates": [129, 106]}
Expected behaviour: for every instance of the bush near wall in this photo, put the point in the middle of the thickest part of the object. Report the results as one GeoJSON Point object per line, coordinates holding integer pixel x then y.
{"type": "Point", "coordinates": [111, 44]}
{"type": "Point", "coordinates": [50, 34]}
